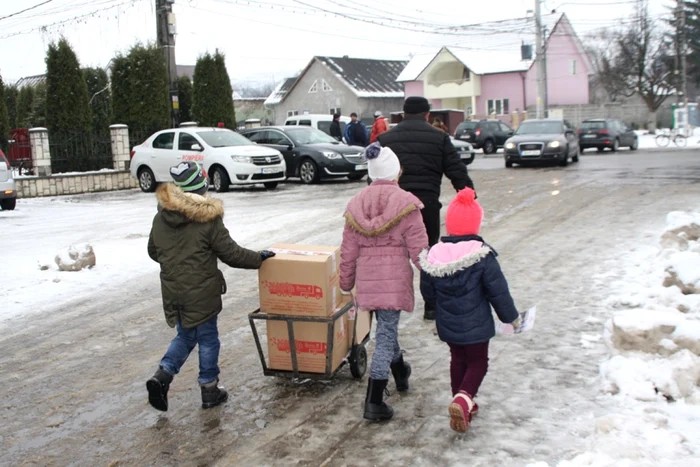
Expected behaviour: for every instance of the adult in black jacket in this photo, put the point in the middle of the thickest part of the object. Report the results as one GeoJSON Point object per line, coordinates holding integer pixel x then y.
{"type": "Point", "coordinates": [335, 128]}
{"type": "Point", "coordinates": [426, 154]}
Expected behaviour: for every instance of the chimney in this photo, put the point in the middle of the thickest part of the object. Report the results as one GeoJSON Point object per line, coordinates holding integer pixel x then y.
{"type": "Point", "coordinates": [346, 57]}
{"type": "Point", "coordinates": [525, 52]}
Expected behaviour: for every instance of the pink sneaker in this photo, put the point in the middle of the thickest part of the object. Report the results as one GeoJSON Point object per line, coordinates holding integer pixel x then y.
{"type": "Point", "coordinates": [461, 411]}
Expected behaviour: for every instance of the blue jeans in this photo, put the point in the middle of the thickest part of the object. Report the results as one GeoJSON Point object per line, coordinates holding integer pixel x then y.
{"type": "Point", "coordinates": [206, 335]}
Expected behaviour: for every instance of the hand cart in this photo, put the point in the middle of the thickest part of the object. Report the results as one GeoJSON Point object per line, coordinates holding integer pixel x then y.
{"type": "Point", "coordinates": [357, 358]}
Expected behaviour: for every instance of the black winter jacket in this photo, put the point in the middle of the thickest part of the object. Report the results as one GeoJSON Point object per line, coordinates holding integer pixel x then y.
{"type": "Point", "coordinates": [335, 130]}
{"type": "Point", "coordinates": [463, 278]}
{"type": "Point", "coordinates": [426, 154]}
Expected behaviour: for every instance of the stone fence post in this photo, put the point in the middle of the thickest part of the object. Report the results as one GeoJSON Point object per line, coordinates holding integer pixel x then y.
{"type": "Point", "coordinates": [121, 154]}
{"type": "Point", "coordinates": [41, 155]}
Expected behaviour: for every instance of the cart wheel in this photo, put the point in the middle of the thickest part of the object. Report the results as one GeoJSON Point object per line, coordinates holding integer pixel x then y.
{"type": "Point", "coordinates": [358, 361]}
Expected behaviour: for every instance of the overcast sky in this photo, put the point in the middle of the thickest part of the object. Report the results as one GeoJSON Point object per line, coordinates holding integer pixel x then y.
{"type": "Point", "coordinates": [267, 39]}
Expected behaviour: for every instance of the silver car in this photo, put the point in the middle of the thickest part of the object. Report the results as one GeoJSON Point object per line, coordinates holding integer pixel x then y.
{"type": "Point", "coordinates": [8, 192]}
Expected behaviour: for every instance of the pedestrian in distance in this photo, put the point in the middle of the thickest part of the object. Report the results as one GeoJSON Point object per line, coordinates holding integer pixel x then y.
{"type": "Point", "coordinates": [426, 155]}
{"type": "Point", "coordinates": [335, 127]}
{"type": "Point", "coordinates": [187, 238]}
{"type": "Point", "coordinates": [462, 276]}
{"type": "Point", "coordinates": [437, 123]}
{"type": "Point", "coordinates": [383, 234]}
{"type": "Point", "coordinates": [378, 128]}
{"type": "Point", "coordinates": [356, 132]}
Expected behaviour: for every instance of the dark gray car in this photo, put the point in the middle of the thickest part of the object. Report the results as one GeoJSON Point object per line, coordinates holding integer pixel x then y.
{"type": "Point", "coordinates": [607, 133]}
{"type": "Point", "coordinates": [311, 154]}
{"type": "Point", "coordinates": [542, 140]}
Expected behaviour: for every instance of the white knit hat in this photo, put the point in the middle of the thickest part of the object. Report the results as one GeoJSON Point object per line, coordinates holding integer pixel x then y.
{"type": "Point", "coordinates": [382, 163]}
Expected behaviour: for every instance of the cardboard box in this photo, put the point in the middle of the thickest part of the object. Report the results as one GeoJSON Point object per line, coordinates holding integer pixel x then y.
{"type": "Point", "coordinates": [364, 321]}
{"type": "Point", "coordinates": [300, 280]}
{"type": "Point", "coordinates": [311, 345]}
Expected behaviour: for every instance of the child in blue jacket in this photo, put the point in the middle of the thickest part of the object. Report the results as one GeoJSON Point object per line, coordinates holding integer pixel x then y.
{"type": "Point", "coordinates": [462, 276]}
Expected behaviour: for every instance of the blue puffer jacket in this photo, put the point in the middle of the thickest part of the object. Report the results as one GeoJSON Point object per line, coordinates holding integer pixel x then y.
{"type": "Point", "coordinates": [463, 277]}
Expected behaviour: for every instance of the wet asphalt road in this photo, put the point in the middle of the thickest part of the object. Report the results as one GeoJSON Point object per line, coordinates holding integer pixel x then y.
{"type": "Point", "coordinates": [73, 380]}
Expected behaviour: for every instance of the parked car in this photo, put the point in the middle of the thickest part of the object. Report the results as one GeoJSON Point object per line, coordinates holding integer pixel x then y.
{"type": "Point", "coordinates": [8, 191]}
{"type": "Point", "coordinates": [489, 135]}
{"type": "Point", "coordinates": [465, 150]}
{"type": "Point", "coordinates": [607, 133]}
{"type": "Point", "coordinates": [319, 121]}
{"type": "Point", "coordinates": [542, 140]}
{"type": "Point", "coordinates": [228, 158]}
{"type": "Point", "coordinates": [311, 154]}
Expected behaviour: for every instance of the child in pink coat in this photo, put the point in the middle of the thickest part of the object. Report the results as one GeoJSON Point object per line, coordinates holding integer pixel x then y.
{"type": "Point", "coordinates": [384, 233]}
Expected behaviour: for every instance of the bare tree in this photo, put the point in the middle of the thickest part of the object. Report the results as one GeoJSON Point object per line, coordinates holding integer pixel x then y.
{"type": "Point", "coordinates": [248, 89]}
{"type": "Point", "coordinates": [601, 46]}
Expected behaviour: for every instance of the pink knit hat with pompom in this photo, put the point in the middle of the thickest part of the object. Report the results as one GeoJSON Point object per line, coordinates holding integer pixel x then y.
{"type": "Point", "coordinates": [464, 214]}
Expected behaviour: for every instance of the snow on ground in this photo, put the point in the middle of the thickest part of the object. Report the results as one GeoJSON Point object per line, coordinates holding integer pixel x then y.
{"type": "Point", "coordinates": [654, 371]}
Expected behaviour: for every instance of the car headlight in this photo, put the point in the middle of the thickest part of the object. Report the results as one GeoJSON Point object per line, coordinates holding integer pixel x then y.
{"type": "Point", "coordinates": [242, 159]}
{"type": "Point", "coordinates": [510, 145]}
{"type": "Point", "coordinates": [553, 144]}
{"type": "Point", "coordinates": [331, 155]}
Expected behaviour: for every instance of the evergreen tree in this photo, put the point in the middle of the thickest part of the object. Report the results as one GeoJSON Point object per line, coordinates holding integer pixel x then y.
{"type": "Point", "coordinates": [99, 99]}
{"type": "Point", "coordinates": [140, 96]}
{"type": "Point", "coordinates": [184, 91]}
{"type": "Point", "coordinates": [25, 101]}
{"type": "Point", "coordinates": [68, 115]}
{"type": "Point", "coordinates": [11, 94]}
{"type": "Point", "coordinates": [37, 117]}
{"type": "Point", "coordinates": [212, 93]}
{"type": "Point", "coordinates": [4, 120]}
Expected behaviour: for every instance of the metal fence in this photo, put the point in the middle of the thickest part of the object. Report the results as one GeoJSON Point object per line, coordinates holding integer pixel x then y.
{"type": "Point", "coordinates": [136, 137]}
{"type": "Point", "coordinates": [80, 152]}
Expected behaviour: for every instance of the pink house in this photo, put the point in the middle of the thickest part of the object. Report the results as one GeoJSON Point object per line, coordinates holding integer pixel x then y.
{"type": "Point", "coordinates": [485, 81]}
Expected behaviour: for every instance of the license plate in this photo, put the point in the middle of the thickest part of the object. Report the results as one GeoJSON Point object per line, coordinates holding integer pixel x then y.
{"type": "Point", "coordinates": [465, 137]}
{"type": "Point", "coordinates": [270, 171]}
{"type": "Point", "coordinates": [361, 167]}
{"type": "Point", "coordinates": [532, 152]}
{"type": "Point", "coordinates": [589, 136]}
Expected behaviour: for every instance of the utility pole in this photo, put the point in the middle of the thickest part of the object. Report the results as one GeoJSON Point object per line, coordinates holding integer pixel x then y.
{"type": "Point", "coordinates": [544, 67]}
{"type": "Point", "coordinates": [165, 29]}
{"type": "Point", "coordinates": [684, 70]}
{"type": "Point", "coordinates": [539, 59]}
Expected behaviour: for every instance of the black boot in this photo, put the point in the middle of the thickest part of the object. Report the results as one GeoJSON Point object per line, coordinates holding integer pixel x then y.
{"type": "Point", "coordinates": [213, 395]}
{"type": "Point", "coordinates": [158, 387]}
{"type": "Point", "coordinates": [429, 313]}
{"type": "Point", "coordinates": [401, 371]}
{"type": "Point", "coordinates": [375, 407]}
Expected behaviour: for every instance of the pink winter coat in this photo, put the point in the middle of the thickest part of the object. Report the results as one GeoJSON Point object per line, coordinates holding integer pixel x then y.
{"type": "Point", "coordinates": [383, 233]}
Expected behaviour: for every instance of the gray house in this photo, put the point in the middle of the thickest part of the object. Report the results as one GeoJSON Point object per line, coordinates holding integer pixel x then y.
{"type": "Point", "coordinates": [344, 85]}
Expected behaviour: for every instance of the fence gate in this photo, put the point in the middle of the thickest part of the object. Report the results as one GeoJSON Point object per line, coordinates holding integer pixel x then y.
{"type": "Point", "coordinates": [20, 151]}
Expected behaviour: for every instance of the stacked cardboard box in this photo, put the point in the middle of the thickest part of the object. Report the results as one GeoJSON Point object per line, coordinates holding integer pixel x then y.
{"type": "Point", "coordinates": [302, 280]}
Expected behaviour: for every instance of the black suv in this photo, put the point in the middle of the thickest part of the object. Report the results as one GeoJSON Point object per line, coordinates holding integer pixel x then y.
{"type": "Point", "coordinates": [488, 135]}
{"type": "Point", "coordinates": [607, 133]}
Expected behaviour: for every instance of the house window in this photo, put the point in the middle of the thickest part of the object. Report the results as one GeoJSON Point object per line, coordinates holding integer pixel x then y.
{"type": "Point", "coordinates": [497, 106]}
{"type": "Point", "coordinates": [466, 74]}
{"type": "Point", "coordinates": [314, 87]}
{"type": "Point", "coordinates": [326, 87]}
{"type": "Point", "coordinates": [573, 67]}
{"type": "Point", "coordinates": [336, 111]}
{"type": "Point", "coordinates": [291, 113]}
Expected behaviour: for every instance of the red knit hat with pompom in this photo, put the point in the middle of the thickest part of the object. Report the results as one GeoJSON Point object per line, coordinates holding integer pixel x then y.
{"type": "Point", "coordinates": [464, 214]}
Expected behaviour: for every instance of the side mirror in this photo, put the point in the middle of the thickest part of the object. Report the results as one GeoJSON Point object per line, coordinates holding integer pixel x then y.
{"type": "Point", "coordinates": [197, 147]}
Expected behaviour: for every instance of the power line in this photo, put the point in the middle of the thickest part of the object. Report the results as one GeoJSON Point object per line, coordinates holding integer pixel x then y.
{"type": "Point", "coordinates": [25, 10]}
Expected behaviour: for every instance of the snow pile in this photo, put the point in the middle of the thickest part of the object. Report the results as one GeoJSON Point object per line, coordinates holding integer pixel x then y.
{"type": "Point", "coordinates": [76, 258]}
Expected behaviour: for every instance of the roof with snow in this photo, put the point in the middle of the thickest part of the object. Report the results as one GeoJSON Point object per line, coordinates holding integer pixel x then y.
{"type": "Point", "coordinates": [280, 91]}
{"type": "Point", "coordinates": [30, 81]}
{"type": "Point", "coordinates": [368, 77]}
{"type": "Point", "coordinates": [491, 47]}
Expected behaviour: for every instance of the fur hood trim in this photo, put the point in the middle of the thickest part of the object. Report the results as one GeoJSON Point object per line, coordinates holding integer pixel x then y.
{"type": "Point", "coordinates": [443, 270]}
{"type": "Point", "coordinates": [194, 207]}
{"type": "Point", "coordinates": [383, 229]}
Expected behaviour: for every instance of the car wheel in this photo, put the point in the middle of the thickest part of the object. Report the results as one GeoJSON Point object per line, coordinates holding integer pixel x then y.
{"type": "Point", "coordinates": [509, 165]}
{"type": "Point", "coordinates": [271, 185]}
{"type": "Point", "coordinates": [635, 144]}
{"type": "Point", "coordinates": [220, 180]}
{"type": "Point", "coordinates": [147, 181]}
{"type": "Point", "coordinates": [356, 177]}
{"type": "Point", "coordinates": [8, 204]}
{"type": "Point", "coordinates": [308, 172]}
{"type": "Point", "coordinates": [489, 147]}
{"type": "Point", "coordinates": [565, 161]}
{"type": "Point", "coordinates": [616, 145]}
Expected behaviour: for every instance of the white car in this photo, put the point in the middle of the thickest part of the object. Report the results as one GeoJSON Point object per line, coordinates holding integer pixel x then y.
{"type": "Point", "coordinates": [228, 158]}
{"type": "Point", "coordinates": [319, 121]}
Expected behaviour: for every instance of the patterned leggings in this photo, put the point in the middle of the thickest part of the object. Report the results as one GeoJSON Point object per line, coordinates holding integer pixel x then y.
{"type": "Point", "coordinates": [387, 347]}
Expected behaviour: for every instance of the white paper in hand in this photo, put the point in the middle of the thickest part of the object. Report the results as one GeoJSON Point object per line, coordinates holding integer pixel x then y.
{"type": "Point", "coordinates": [527, 322]}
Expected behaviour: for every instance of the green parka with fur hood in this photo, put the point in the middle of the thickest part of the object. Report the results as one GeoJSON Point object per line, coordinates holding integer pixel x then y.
{"type": "Point", "coordinates": [187, 237]}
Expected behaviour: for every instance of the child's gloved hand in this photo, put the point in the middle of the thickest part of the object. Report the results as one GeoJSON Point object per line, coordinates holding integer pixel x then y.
{"type": "Point", "coordinates": [516, 324]}
{"type": "Point", "coordinates": [266, 254]}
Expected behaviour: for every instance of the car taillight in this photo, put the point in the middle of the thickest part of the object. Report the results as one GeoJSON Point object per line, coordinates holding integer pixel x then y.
{"type": "Point", "coordinates": [478, 132]}
{"type": "Point", "coordinates": [132, 153]}
{"type": "Point", "coordinates": [580, 132]}
{"type": "Point", "coordinates": [604, 132]}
